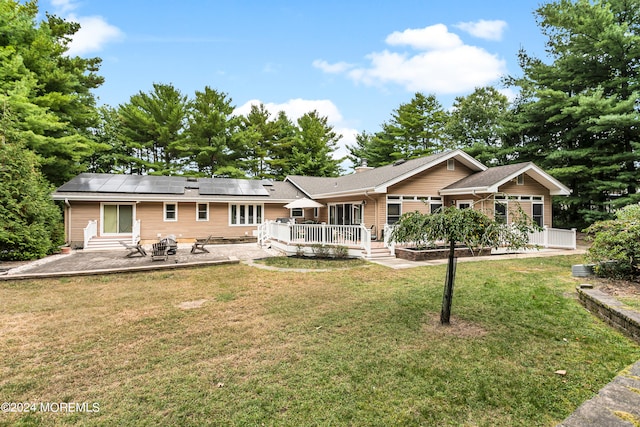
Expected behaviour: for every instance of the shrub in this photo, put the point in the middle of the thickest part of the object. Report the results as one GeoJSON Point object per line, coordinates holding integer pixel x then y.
{"type": "Point", "coordinates": [320, 250]}
{"type": "Point", "coordinates": [30, 222]}
{"type": "Point", "coordinates": [616, 244]}
{"type": "Point", "coordinates": [340, 252]}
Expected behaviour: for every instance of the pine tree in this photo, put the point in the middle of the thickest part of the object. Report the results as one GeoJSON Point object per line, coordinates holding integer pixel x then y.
{"type": "Point", "coordinates": [577, 116]}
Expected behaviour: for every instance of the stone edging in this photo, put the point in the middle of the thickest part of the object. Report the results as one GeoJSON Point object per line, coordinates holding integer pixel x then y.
{"type": "Point", "coordinates": [610, 310]}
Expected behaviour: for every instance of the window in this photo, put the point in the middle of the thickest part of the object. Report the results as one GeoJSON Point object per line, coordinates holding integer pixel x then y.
{"type": "Point", "coordinates": [394, 210]}
{"type": "Point", "coordinates": [538, 213]}
{"type": "Point", "coordinates": [465, 204]}
{"type": "Point", "coordinates": [434, 206]}
{"type": "Point", "coordinates": [245, 214]}
{"type": "Point", "coordinates": [202, 212]}
{"type": "Point", "coordinates": [500, 214]}
{"type": "Point", "coordinates": [520, 179]}
{"type": "Point", "coordinates": [451, 164]}
{"type": "Point", "coordinates": [297, 213]}
{"type": "Point", "coordinates": [170, 211]}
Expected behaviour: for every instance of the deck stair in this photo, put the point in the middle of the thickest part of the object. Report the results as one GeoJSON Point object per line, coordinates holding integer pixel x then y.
{"type": "Point", "coordinates": [378, 251]}
{"type": "Point", "coordinates": [106, 243]}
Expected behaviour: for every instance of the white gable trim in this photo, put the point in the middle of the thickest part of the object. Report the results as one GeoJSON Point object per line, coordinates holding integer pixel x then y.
{"type": "Point", "coordinates": [459, 155]}
{"type": "Point", "coordinates": [553, 185]}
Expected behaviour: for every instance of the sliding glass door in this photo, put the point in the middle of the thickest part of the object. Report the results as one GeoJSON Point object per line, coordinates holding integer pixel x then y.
{"type": "Point", "coordinates": [117, 219]}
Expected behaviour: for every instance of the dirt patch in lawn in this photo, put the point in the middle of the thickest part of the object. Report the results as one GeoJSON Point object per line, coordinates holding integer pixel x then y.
{"type": "Point", "coordinates": [620, 288]}
{"type": "Point", "coordinates": [459, 328]}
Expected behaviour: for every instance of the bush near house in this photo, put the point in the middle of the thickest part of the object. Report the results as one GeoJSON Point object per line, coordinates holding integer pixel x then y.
{"type": "Point", "coordinates": [30, 222]}
{"type": "Point", "coordinates": [616, 244]}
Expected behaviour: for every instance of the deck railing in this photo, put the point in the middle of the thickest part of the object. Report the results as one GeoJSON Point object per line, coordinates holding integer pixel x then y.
{"type": "Point", "coordinates": [352, 236]}
{"type": "Point", "coordinates": [135, 232]}
{"type": "Point", "coordinates": [554, 238]}
{"type": "Point", "coordinates": [90, 231]}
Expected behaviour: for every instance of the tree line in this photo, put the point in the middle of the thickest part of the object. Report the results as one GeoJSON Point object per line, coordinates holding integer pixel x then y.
{"type": "Point", "coordinates": [576, 115]}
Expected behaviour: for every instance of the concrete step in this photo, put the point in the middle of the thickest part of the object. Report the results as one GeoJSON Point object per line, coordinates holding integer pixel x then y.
{"type": "Point", "coordinates": [379, 253]}
{"type": "Point", "coordinates": [106, 243]}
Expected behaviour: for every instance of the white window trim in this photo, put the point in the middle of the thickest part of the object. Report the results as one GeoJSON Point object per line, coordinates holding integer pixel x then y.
{"type": "Point", "coordinates": [451, 164]}
{"type": "Point", "coordinates": [164, 212]}
{"type": "Point", "coordinates": [198, 212]}
{"type": "Point", "coordinates": [246, 205]}
{"type": "Point", "coordinates": [291, 213]}
{"type": "Point", "coordinates": [103, 204]}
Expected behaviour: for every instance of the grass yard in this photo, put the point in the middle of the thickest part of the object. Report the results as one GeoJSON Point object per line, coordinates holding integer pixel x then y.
{"type": "Point", "coordinates": [236, 345]}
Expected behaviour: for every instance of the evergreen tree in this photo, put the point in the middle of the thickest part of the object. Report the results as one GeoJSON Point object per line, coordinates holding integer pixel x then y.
{"type": "Point", "coordinates": [257, 136]}
{"type": "Point", "coordinates": [313, 146]}
{"type": "Point", "coordinates": [209, 133]}
{"type": "Point", "coordinates": [49, 92]}
{"type": "Point", "coordinates": [577, 117]}
{"type": "Point", "coordinates": [416, 129]}
{"type": "Point", "coordinates": [153, 124]}
{"type": "Point", "coordinates": [476, 123]}
{"type": "Point", "coordinates": [280, 158]}
{"type": "Point", "coordinates": [30, 222]}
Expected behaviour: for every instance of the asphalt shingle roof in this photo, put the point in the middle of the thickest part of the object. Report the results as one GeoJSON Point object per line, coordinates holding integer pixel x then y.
{"type": "Point", "coordinates": [487, 177]}
{"type": "Point", "coordinates": [368, 179]}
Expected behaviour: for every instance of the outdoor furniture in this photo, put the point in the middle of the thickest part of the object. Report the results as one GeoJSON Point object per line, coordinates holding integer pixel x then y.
{"type": "Point", "coordinates": [134, 250]}
{"type": "Point", "coordinates": [159, 251]}
{"type": "Point", "coordinates": [199, 245]}
{"type": "Point", "coordinates": [172, 245]}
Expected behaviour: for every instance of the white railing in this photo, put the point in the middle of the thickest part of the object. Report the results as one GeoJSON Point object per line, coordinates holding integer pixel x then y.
{"type": "Point", "coordinates": [388, 243]}
{"type": "Point", "coordinates": [353, 236]}
{"type": "Point", "coordinates": [554, 238]}
{"type": "Point", "coordinates": [90, 231]}
{"type": "Point", "coordinates": [135, 232]}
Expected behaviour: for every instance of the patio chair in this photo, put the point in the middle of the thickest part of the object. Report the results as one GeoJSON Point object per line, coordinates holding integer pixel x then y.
{"type": "Point", "coordinates": [134, 250]}
{"type": "Point", "coordinates": [374, 235]}
{"type": "Point", "coordinates": [199, 245]}
{"type": "Point", "coordinates": [160, 251]}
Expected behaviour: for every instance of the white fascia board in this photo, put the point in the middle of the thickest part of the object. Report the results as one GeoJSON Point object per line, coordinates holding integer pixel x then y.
{"type": "Point", "coordinates": [163, 198]}
{"type": "Point", "coordinates": [464, 191]}
{"type": "Point", "coordinates": [359, 192]}
{"type": "Point", "coordinates": [461, 156]}
{"type": "Point", "coordinates": [553, 185]}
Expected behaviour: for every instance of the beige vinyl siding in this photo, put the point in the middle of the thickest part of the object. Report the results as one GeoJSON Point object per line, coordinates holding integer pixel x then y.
{"type": "Point", "coordinates": [78, 216]}
{"type": "Point", "coordinates": [530, 188]}
{"type": "Point", "coordinates": [431, 181]}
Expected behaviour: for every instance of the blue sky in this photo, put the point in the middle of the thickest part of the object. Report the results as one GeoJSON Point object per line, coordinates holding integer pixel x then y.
{"type": "Point", "coordinates": [353, 61]}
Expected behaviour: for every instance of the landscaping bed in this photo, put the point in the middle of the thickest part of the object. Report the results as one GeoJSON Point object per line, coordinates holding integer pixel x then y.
{"type": "Point", "coordinates": [413, 254]}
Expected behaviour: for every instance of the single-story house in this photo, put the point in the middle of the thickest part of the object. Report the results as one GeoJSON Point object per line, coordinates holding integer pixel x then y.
{"type": "Point", "coordinates": [151, 207]}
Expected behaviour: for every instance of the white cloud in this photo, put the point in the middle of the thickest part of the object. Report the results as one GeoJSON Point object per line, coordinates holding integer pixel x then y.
{"type": "Point", "coordinates": [442, 65]}
{"type": "Point", "coordinates": [63, 6]}
{"type": "Point", "coordinates": [93, 34]}
{"type": "Point", "coordinates": [489, 30]}
{"type": "Point", "coordinates": [337, 68]}
{"type": "Point", "coordinates": [435, 37]}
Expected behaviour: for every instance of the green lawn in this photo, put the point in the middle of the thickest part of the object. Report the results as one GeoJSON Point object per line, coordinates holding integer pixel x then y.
{"type": "Point", "coordinates": [359, 346]}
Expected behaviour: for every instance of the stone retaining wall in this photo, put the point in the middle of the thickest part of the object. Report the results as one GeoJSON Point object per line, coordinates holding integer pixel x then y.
{"type": "Point", "coordinates": [429, 254]}
{"type": "Point", "coordinates": [611, 311]}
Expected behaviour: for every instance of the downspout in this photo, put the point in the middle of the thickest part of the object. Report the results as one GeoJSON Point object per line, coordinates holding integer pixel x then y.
{"type": "Point", "coordinates": [67, 219]}
{"type": "Point", "coordinates": [375, 202]}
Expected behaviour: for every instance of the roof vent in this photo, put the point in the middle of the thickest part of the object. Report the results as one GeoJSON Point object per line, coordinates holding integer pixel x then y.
{"type": "Point", "coordinates": [399, 162]}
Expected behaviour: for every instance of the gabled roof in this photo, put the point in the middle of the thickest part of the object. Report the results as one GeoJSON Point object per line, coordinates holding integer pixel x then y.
{"type": "Point", "coordinates": [379, 179]}
{"type": "Point", "coordinates": [489, 180]}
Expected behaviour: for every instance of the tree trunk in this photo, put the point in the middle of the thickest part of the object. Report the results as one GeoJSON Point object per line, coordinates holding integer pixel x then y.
{"type": "Point", "coordinates": [447, 297]}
